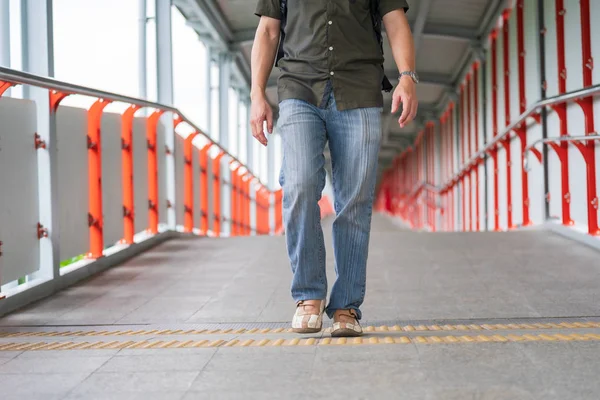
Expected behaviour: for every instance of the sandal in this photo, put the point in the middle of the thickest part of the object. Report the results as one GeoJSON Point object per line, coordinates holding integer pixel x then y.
{"type": "Point", "coordinates": [345, 324]}
{"type": "Point", "coordinates": [308, 317]}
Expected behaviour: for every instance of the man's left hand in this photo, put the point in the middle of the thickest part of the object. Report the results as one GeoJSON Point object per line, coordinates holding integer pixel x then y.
{"type": "Point", "coordinates": [405, 93]}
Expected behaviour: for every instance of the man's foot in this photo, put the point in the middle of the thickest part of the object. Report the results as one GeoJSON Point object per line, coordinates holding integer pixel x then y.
{"type": "Point", "coordinates": [345, 324]}
{"type": "Point", "coordinates": [309, 316]}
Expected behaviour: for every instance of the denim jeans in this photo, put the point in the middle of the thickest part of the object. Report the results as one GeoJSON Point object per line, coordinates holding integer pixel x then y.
{"type": "Point", "coordinates": [354, 138]}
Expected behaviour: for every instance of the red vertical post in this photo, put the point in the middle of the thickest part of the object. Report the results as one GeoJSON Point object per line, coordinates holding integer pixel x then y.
{"type": "Point", "coordinates": [235, 201]}
{"type": "Point", "coordinates": [476, 116]}
{"type": "Point", "coordinates": [188, 185]}
{"type": "Point", "coordinates": [494, 151]}
{"type": "Point", "coordinates": [127, 173]}
{"type": "Point", "coordinates": [588, 149]}
{"type": "Point", "coordinates": [95, 217]}
{"type": "Point", "coordinates": [469, 152]}
{"type": "Point", "coordinates": [203, 158]}
{"type": "Point", "coordinates": [521, 131]}
{"type": "Point", "coordinates": [506, 143]}
{"type": "Point", "coordinates": [461, 133]}
{"type": "Point", "coordinates": [151, 135]}
{"type": "Point", "coordinates": [561, 110]}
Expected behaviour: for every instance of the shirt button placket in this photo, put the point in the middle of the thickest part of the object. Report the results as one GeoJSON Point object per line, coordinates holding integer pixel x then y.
{"type": "Point", "coordinates": [329, 22]}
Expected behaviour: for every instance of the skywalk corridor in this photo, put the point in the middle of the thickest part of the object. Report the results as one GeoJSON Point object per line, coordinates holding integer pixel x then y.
{"type": "Point", "coordinates": [467, 316]}
{"type": "Point", "coordinates": [142, 247]}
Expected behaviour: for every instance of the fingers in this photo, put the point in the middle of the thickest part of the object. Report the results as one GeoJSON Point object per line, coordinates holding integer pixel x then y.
{"type": "Point", "coordinates": [269, 120]}
{"type": "Point", "coordinates": [410, 107]}
{"type": "Point", "coordinates": [395, 102]}
{"type": "Point", "coordinates": [257, 124]}
{"type": "Point", "coordinates": [406, 110]}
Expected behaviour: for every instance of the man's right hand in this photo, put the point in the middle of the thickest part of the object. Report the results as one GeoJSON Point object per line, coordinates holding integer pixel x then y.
{"type": "Point", "coordinates": [260, 112]}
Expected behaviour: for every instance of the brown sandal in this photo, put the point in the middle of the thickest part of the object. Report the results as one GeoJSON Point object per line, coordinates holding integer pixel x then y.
{"type": "Point", "coordinates": [349, 328]}
{"type": "Point", "coordinates": [308, 317]}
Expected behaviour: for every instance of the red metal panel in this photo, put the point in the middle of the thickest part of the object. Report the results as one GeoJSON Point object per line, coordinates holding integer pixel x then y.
{"type": "Point", "coordinates": [588, 150]}
{"type": "Point", "coordinates": [494, 152]}
{"type": "Point", "coordinates": [521, 131]}
{"type": "Point", "coordinates": [95, 217]}
{"type": "Point", "coordinates": [561, 110]}
{"type": "Point", "coordinates": [127, 173]}
{"type": "Point", "coordinates": [476, 116]}
{"type": "Point", "coordinates": [151, 135]}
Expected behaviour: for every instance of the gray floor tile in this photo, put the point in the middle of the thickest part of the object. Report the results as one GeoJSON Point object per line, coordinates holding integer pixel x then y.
{"type": "Point", "coordinates": [37, 384]}
{"type": "Point", "coordinates": [145, 363]}
{"type": "Point", "coordinates": [127, 396]}
{"type": "Point", "coordinates": [119, 382]}
{"type": "Point", "coordinates": [40, 365]}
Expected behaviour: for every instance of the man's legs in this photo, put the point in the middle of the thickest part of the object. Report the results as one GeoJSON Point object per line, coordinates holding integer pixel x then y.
{"type": "Point", "coordinates": [354, 140]}
{"type": "Point", "coordinates": [302, 178]}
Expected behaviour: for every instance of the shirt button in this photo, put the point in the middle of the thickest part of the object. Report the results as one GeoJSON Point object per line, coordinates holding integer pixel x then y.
{"type": "Point", "coordinates": [330, 22]}
{"type": "Point", "coordinates": [331, 48]}
{"type": "Point", "coordinates": [331, 73]}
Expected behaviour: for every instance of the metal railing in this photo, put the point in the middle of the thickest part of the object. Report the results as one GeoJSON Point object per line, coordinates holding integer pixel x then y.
{"type": "Point", "coordinates": [535, 109]}
{"type": "Point", "coordinates": [244, 204]}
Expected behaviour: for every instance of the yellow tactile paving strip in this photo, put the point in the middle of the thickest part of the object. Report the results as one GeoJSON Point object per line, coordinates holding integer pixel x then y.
{"type": "Point", "coordinates": [262, 342]}
{"type": "Point", "coordinates": [368, 329]}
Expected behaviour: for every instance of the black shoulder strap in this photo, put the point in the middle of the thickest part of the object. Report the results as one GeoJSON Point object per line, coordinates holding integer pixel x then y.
{"type": "Point", "coordinates": [386, 86]}
{"type": "Point", "coordinates": [283, 9]}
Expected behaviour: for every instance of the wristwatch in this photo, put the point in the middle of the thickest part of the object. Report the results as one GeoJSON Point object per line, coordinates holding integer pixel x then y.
{"type": "Point", "coordinates": [412, 74]}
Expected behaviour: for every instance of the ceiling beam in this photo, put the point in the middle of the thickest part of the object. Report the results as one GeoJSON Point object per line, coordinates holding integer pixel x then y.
{"type": "Point", "coordinates": [419, 25]}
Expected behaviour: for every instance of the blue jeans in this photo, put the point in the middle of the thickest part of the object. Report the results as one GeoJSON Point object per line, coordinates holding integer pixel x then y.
{"type": "Point", "coordinates": [354, 138]}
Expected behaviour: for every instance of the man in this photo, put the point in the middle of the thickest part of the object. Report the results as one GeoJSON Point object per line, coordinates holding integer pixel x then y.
{"type": "Point", "coordinates": [329, 91]}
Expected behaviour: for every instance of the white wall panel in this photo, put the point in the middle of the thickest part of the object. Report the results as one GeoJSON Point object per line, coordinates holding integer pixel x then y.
{"type": "Point", "coordinates": [490, 188]}
{"type": "Point", "coordinates": [19, 212]}
{"type": "Point", "coordinates": [161, 149]}
{"type": "Point", "coordinates": [179, 183]}
{"type": "Point", "coordinates": [536, 179]}
{"type": "Point", "coordinates": [112, 182]}
{"type": "Point", "coordinates": [551, 48]}
{"type": "Point", "coordinates": [488, 88]}
{"type": "Point", "coordinates": [71, 125]}
{"type": "Point", "coordinates": [514, 67]}
{"type": "Point", "coordinates": [532, 63]}
{"type": "Point", "coordinates": [140, 174]}
{"type": "Point", "coordinates": [500, 80]}
{"type": "Point", "coordinates": [516, 182]}
{"type": "Point", "coordinates": [573, 47]}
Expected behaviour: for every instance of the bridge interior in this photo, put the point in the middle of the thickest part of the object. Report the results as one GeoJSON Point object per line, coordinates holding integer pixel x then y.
{"type": "Point", "coordinates": [154, 265]}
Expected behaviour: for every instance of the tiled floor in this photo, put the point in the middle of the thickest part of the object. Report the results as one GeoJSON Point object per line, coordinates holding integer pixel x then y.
{"type": "Point", "coordinates": [412, 276]}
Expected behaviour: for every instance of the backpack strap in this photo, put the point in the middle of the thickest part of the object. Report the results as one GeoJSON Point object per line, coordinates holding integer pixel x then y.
{"type": "Point", "coordinates": [376, 18]}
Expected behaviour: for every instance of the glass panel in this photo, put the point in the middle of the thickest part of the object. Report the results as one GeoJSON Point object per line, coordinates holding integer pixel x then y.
{"type": "Point", "coordinates": [189, 63]}
{"type": "Point", "coordinates": [90, 53]}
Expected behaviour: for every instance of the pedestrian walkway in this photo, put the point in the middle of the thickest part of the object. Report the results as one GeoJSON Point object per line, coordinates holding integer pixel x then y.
{"type": "Point", "coordinates": [447, 316]}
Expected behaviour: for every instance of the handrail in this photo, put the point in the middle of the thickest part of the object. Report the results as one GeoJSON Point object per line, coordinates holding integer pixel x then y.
{"type": "Point", "coordinates": [562, 98]}
{"type": "Point", "coordinates": [25, 78]}
{"type": "Point", "coordinates": [531, 147]}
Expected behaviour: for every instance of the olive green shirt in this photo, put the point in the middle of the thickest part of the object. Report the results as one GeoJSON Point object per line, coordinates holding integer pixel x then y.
{"type": "Point", "coordinates": [330, 40]}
